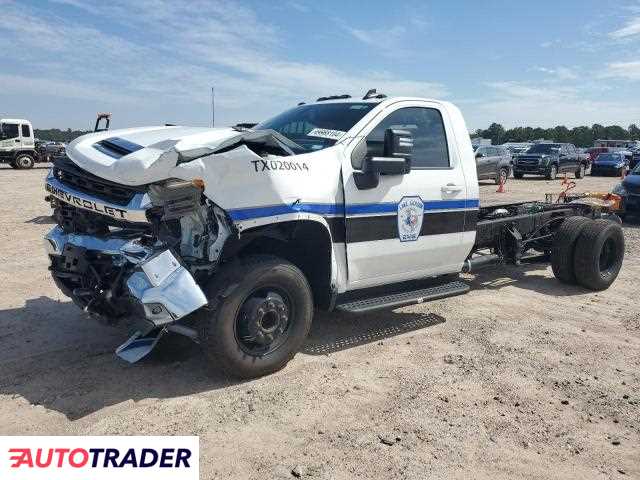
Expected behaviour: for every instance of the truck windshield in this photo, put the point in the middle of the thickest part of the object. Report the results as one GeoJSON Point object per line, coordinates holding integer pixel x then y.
{"type": "Point", "coordinates": [317, 126]}
{"type": "Point", "coordinates": [8, 131]}
{"type": "Point", "coordinates": [544, 148]}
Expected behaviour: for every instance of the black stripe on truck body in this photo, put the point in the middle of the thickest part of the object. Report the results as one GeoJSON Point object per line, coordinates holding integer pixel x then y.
{"type": "Point", "coordinates": [385, 227]}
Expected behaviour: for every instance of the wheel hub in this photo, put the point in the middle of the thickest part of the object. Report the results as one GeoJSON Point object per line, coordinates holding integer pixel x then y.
{"type": "Point", "coordinates": [263, 319]}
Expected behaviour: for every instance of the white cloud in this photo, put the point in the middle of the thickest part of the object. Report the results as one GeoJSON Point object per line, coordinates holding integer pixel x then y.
{"type": "Point", "coordinates": [631, 29]}
{"type": "Point", "coordinates": [518, 104]}
{"type": "Point", "coordinates": [561, 73]}
{"type": "Point", "coordinates": [187, 47]}
{"type": "Point", "coordinates": [627, 70]}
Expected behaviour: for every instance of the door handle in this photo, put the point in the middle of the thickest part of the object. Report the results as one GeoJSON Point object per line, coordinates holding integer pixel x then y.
{"type": "Point", "coordinates": [451, 188]}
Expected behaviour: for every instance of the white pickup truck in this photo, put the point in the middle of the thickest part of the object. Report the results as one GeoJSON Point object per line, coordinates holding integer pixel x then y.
{"type": "Point", "coordinates": [234, 236]}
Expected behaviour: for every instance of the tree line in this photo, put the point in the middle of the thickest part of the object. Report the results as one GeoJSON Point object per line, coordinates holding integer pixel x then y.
{"type": "Point", "coordinates": [57, 135]}
{"type": "Point", "coordinates": [580, 136]}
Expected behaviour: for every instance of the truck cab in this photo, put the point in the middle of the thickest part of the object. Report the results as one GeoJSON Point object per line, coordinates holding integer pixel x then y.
{"type": "Point", "coordinates": [17, 143]}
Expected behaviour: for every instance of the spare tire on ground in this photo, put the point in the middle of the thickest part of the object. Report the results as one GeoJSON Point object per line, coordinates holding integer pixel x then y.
{"type": "Point", "coordinates": [562, 250]}
{"type": "Point", "coordinates": [598, 254]}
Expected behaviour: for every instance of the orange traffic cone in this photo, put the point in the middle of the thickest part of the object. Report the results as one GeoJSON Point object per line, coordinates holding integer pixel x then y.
{"type": "Point", "coordinates": [500, 185]}
{"type": "Point", "coordinates": [565, 180]}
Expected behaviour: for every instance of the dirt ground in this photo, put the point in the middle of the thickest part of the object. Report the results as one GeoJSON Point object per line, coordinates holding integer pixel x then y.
{"type": "Point", "coordinates": [521, 378]}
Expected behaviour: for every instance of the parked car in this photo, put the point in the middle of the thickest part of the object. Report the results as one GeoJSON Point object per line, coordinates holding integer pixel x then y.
{"type": "Point", "coordinates": [550, 159]}
{"type": "Point", "coordinates": [610, 163]}
{"type": "Point", "coordinates": [493, 163]}
{"type": "Point", "coordinates": [629, 190]}
{"type": "Point", "coordinates": [593, 152]}
{"type": "Point", "coordinates": [54, 148]}
{"type": "Point", "coordinates": [635, 158]}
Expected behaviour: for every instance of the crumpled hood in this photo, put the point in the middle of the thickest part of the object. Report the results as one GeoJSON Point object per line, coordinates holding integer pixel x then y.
{"type": "Point", "coordinates": [138, 156]}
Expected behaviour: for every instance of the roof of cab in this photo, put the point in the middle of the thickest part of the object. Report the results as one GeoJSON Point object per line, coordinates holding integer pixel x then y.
{"type": "Point", "coordinates": [374, 100]}
{"type": "Point", "coordinates": [14, 120]}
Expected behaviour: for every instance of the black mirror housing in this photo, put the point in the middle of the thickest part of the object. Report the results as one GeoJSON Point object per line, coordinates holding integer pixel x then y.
{"type": "Point", "coordinates": [396, 159]}
{"type": "Point", "coordinates": [397, 143]}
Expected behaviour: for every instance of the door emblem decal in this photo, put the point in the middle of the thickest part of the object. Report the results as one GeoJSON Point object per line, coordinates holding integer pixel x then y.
{"type": "Point", "coordinates": [410, 215]}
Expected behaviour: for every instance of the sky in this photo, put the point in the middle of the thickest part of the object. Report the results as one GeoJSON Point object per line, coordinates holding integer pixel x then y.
{"type": "Point", "coordinates": [149, 62]}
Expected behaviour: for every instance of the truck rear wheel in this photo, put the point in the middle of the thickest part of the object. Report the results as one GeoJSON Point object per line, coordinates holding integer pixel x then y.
{"type": "Point", "coordinates": [599, 254]}
{"type": "Point", "coordinates": [563, 248]}
{"type": "Point", "coordinates": [260, 312]}
{"type": "Point", "coordinates": [24, 161]}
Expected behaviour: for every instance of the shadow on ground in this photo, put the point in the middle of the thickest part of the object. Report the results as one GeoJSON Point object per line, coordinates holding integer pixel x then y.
{"type": "Point", "coordinates": [54, 355]}
{"type": "Point", "coordinates": [42, 220]}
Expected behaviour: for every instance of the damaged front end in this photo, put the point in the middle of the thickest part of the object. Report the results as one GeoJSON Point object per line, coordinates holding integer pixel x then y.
{"type": "Point", "coordinates": [137, 255]}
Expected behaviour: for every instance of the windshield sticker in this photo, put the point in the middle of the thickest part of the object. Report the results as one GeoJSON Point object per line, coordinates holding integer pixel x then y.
{"type": "Point", "coordinates": [326, 133]}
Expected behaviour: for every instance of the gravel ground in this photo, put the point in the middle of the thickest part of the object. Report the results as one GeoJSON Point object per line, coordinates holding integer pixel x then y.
{"type": "Point", "coordinates": [521, 378]}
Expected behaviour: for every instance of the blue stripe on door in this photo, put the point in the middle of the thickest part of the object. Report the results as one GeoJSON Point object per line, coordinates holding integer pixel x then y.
{"type": "Point", "coordinates": [336, 209]}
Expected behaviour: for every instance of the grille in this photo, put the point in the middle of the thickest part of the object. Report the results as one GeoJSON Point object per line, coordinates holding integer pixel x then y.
{"type": "Point", "coordinates": [528, 164]}
{"type": "Point", "coordinates": [74, 177]}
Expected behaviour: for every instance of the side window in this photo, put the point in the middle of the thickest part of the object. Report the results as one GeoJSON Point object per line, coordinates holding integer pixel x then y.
{"type": "Point", "coordinates": [26, 131]}
{"type": "Point", "coordinates": [429, 138]}
{"type": "Point", "coordinates": [10, 130]}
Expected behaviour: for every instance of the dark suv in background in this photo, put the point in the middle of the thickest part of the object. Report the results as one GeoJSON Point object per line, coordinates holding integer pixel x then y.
{"type": "Point", "coordinates": [493, 163]}
{"type": "Point", "coordinates": [550, 159]}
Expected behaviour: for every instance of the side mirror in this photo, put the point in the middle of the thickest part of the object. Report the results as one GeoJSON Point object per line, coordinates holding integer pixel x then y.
{"type": "Point", "coordinates": [398, 143]}
{"type": "Point", "coordinates": [396, 159]}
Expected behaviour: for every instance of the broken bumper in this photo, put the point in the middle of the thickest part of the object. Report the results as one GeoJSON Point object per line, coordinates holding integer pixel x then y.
{"type": "Point", "coordinates": [156, 279]}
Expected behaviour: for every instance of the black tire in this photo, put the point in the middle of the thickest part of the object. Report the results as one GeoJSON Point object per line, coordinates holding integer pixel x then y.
{"type": "Point", "coordinates": [24, 161]}
{"type": "Point", "coordinates": [563, 248]}
{"type": "Point", "coordinates": [518, 175]}
{"type": "Point", "coordinates": [581, 171]}
{"type": "Point", "coordinates": [552, 173]}
{"type": "Point", "coordinates": [599, 254]}
{"type": "Point", "coordinates": [225, 322]}
{"type": "Point", "coordinates": [504, 173]}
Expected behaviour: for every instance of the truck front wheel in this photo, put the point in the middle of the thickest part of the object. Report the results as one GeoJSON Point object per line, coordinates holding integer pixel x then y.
{"type": "Point", "coordinates": [552, 173]}
{"type": "Point", "coordinates": [599, 254]}
{"type": "Point", "coordinates": [581, 171]}
{"type": "Point", "coordinates": [259, 315]}
{"type": "Point", "coordinates": [24, 161]}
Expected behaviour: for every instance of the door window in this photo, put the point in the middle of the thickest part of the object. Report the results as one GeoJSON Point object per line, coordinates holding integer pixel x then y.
{"type": "Point", "coordinates": [430, 148]}
{"type": "Point", "coordinates": [26, 131]}
{"type": "Point", "coordinates": [10, 130]}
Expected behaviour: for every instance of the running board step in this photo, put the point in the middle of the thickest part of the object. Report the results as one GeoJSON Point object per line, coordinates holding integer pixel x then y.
{"type": "Point", "coordinates": [404, 298]}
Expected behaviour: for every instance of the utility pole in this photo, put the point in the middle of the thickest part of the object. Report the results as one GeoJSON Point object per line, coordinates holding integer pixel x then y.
{"type": "Point", "coordinates": [213, 108]}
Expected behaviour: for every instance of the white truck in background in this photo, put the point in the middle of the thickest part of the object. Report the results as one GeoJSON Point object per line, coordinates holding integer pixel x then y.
{"type": "Point", "coordinates": [17, 143]}
{"type": "Point", "coordinates": [233, 236]}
